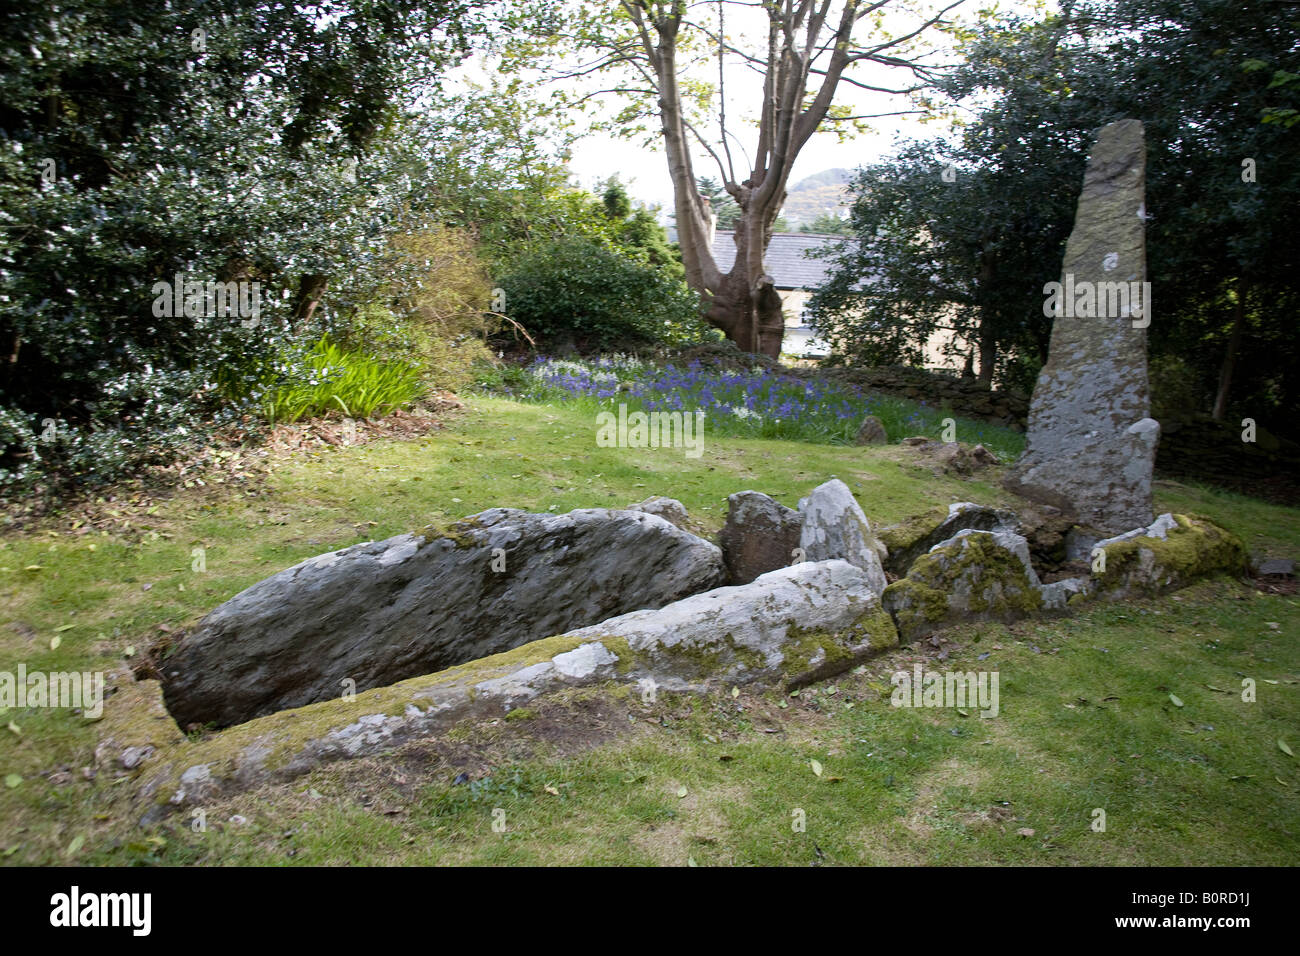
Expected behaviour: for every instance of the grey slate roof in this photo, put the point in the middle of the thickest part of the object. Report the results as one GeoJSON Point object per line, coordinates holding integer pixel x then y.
{"type": "Point", "coordinates": [784, 258]}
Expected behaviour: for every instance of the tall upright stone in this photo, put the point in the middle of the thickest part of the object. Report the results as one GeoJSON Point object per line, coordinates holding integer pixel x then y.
{"type": "Point", "coordinates": [1091, 444]}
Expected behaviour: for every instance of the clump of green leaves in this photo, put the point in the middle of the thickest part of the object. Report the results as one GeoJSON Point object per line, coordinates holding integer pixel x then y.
{"type": "Point", "coordinates": [332, 379]}
{"type": "Point", "coordinates": [576, 293]}
{"type": "Point", "coordinates": [434, 309]}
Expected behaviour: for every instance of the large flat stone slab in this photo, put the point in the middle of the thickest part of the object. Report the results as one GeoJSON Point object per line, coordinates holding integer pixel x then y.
{"type": "Point", "coordinates": [380, 612]}
{"type": "Point", "coordinates": [793, 625]}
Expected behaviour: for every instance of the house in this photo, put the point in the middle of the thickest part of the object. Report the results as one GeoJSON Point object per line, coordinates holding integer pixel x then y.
{"type": "Point", "coordinates": [797, 278]}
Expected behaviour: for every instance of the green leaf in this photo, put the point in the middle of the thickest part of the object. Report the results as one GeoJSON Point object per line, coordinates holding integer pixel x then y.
{"type": "Point", "coordinates": [816, 767]}
{"type": "Point", "coordinates": [77, 843]}
{"type": "Point", "coordinates": [12, 780]}
{"type": "Point", "coordinates": [1175, 701]}
{"type": "Point", "coordinates": [681, 791]}
{"type": "Point", "coordinates": [1282, 746]}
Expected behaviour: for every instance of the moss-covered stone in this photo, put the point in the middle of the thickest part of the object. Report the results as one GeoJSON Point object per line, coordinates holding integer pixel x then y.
{"type": "Point", "coordinates": [1196, 548]}
{"type": "Point", "coordinates": [812, 655]}
{"type": "Point", "coordinates": [973, 578]}
{"type": "Point", "coordinates": [916, 608]}
{"type": "Point", "coordinates": [906, 534]}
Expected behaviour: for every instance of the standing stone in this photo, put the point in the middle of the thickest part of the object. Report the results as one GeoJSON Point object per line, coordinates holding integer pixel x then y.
{"type": "Point", "coordinates": [1091, 442]}
{"type": "Point", "coordinates": [760, 536]}
{"type": "Point", "coordinates": [835, 527]}
{"type": "Point", "coordinates": [377, 613]}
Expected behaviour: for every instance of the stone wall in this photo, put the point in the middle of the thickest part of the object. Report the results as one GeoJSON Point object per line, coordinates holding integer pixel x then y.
{"type": "Point", "coordinates": [1204, 450]}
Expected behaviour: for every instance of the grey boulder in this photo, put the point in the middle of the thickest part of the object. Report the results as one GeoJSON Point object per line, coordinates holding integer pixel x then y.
{"type": "Point", "coordinates": [379, 612]}
{"type": "Point", "coordinates": [760, 535]}
{"type": "Point", "coordinates": [871, 432]}
{"type": "Point", "coordinates": [909, 541]}
{"type": "Point", "coordinates": [670, 509]}
{"type": "Point", "coordinates": [834, 526]}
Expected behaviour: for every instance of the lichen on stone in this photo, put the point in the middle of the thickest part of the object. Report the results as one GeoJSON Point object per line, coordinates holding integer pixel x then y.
{"type": "Point", "coordinates": [1195, 548]}
{"type": "Point", "coordinates": [971, 578]}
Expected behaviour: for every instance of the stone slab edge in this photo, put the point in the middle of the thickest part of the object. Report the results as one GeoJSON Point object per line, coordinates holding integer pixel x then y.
{"type": "Point", "coordinates": [291, 743]}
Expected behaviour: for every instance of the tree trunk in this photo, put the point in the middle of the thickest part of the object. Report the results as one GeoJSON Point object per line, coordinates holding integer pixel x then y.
{"type": "Point", "coordinates": [988, 339]}
{"type": "Point", "coordinates": [1230, 358]}
{"type": "Point", "coordinates": [745, 304]}
{"type": "Point", "coordinates": [988, 352]}
{"type": "Point", "coordinates": [311, 287]}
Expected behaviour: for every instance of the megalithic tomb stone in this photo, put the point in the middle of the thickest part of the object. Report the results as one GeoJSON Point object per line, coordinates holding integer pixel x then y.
{"type": "Point", "coordinates": [1091, 444]}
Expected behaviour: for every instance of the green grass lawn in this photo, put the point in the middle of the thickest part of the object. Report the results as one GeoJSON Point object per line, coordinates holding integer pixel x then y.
{"type": "Point", "coordinates": [597, 776]}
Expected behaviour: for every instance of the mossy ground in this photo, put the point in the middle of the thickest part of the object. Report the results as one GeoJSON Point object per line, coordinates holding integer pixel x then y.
{"type": "Point", "coordinates": [1086, 717]}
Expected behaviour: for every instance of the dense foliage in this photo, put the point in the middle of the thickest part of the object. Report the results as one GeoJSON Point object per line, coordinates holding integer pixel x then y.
{"type": "Point", "coordinates": [972, 249]}
{"type": "Point", "coordinates": [145, 142]}
{"type": "Point", "coordinates": [610, 280]}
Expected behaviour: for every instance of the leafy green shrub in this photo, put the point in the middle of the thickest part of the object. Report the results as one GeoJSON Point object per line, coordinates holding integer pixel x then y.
{"type": "Point", "coordinates": [433, 309]}
{"type": "Point", "coordinates": [505, 378]}
{"type": "Point", "coordinates": [577, 293]}
{"type": "Point", "coordinates": [142, 418]}
{"type": "Point", "coordinates": [334, 380]}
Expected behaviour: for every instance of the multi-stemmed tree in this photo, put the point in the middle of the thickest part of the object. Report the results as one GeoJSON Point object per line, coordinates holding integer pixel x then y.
{"type": "Point", "coordinates": [675, 65]}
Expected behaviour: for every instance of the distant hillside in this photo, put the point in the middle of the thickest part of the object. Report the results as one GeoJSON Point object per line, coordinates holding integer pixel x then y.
{"type": "Point", "coordinates": [818, 195]}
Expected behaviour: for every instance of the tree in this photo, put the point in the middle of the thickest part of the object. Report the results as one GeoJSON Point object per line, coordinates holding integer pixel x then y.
{"type": "Point", "coordinates": [946, 247]}
{"type": "Point", "coordinates": [807, 51]}
{"type": "Point", "coordinates": [237, 142]}
{"type": "Point", "coordinates": [828, 224]}
{"type": "Point", "coordinates": [1218, 235]}
{"type": "Point", "coordinates": [1210, 85]}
